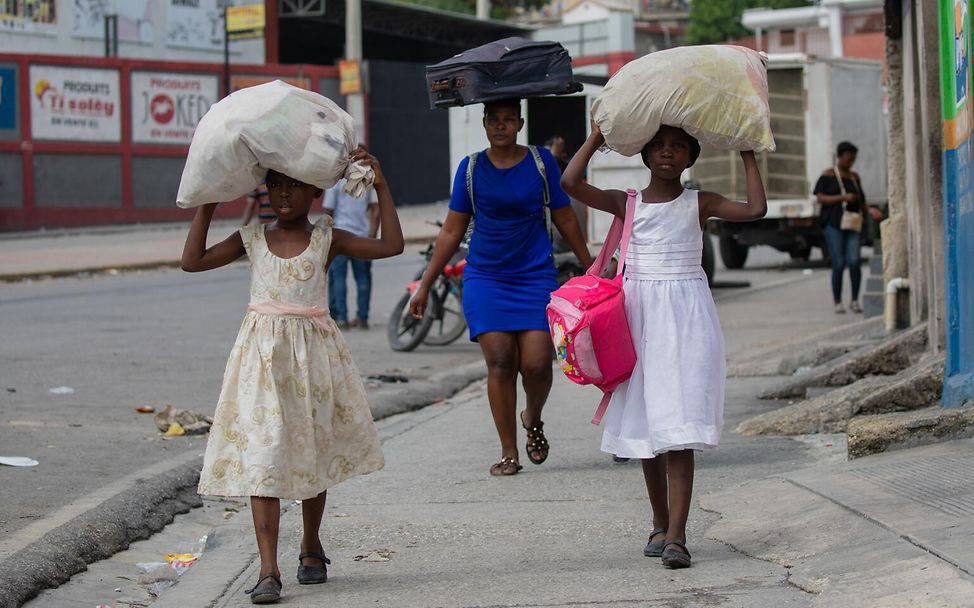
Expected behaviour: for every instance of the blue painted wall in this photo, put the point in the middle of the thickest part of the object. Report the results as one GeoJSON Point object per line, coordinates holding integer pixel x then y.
{"type": "Point", "coordinates": [958, 179]}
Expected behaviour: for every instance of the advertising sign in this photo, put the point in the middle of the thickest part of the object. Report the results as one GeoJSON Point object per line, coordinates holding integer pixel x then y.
{"type": "Point", "coordinates": [167, 107]}
{"type": "Point", "coordinates": [134, 19]}
{"type": "Point", "coordinates": [29, 16]}
{"type": "Point", "coordinates": [74, 104]}
{"type": "Point", "coordinates": [197, 24]}
{"type": "Point", "coordinates": [8, 100]}
{"type": "Point", "coordinates": [349, 77]}
{"type": "Point", "coordinates": [243, 18]}
{"type": "Point", "coordinates": [958, 195]}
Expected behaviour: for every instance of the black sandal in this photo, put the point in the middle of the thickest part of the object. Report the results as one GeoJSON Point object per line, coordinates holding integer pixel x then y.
{"type": "Point", "coordinates": [673, 558]}
{"type": "Point", "coordinates": [264, 592]}
{"type": "Point", "coordinates": [505, 466]}
{"type": "Point", "coordinates": [313, 575]}
{"type": "Point", "coordinates": [537, 443]}
{"type": "Point", "coordinates": [655, 548]}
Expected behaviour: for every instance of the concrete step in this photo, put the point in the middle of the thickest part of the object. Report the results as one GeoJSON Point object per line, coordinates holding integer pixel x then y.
{"type": "Point", "coordinates": [876, 265]}
{"type": "Point", "coordinates": [872, 304]}
{"type": "Point", "coordinates": [878, 247]}
{"type": "Point", "coordinates": [874, 434]}
{"type": "Point", "coordinates": [889, 357]}
{"type": "Point", "coordinates": [875, 283]}
{"type": "Point", "coordinates": [786, 357]}
{"type": "Point", "coordinates": [916, 387]}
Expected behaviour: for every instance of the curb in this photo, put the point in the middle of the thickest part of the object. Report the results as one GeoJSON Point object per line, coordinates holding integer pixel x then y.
{"type": "Point", "coordinates": [412, 396]}
{"type": "Point", "coordinates": [15, 277]}
{"type": "Point", "coordinates": [140, 511]}
{"type": "Point", "coordinates": [133, 514]}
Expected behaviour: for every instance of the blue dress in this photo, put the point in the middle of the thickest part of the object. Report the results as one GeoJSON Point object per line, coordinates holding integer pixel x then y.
{"type": "Point", "coordinates": [510, 271]}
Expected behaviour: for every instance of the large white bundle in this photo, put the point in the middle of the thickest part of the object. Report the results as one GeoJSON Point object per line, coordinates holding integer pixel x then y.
{"type": "Point", "coordinates": [717, 93]}
{"type": "Point", "coordinates": [271, 126]}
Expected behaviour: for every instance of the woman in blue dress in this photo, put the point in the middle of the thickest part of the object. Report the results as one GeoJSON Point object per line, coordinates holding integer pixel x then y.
{"type": "Point", "coordinates": [510, 272]}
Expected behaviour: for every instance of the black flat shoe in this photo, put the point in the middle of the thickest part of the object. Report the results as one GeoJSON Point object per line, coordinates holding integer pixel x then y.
{"type": "Point", "coordinates": [267, 590]}
{"type": "Point", "coordinates": [674, 558]}
{"type": "Point", "coordinates": [655, 548]}
{"type": "Point", "coordinates": [313, 575]}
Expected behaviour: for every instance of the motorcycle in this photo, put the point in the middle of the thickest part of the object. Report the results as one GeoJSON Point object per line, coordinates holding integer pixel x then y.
{"type": "Point", "coordinates": [443, 321]}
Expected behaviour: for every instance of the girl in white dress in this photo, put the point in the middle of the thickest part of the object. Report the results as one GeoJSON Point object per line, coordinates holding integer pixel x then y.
{"type": "Point", "coordinates": [292, 419]}
{"type": "Point", "coordinates": [673, 403]}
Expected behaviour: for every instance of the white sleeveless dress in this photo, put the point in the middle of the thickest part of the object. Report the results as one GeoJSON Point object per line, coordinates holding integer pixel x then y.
{"type": "Point", "coordinates": [292, 419]}
{"type": "Point", "coordinates": [674, 399]}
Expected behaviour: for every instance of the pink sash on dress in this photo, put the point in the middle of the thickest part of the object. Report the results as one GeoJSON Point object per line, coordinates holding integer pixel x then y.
{"type": "Point", "coordinates": [314, 313]}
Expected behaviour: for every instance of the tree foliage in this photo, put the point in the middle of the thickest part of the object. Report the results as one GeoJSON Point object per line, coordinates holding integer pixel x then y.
{"type": "Point", "coordinates": [720, 20]}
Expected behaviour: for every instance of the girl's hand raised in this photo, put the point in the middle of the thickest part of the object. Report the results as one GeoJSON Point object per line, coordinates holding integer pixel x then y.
{"type": "Point", "coordinates": [596, 132]}
{"type": "Point", "coordinates": [361, 155]}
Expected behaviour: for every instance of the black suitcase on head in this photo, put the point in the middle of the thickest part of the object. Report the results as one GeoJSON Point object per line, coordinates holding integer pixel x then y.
{"type": "Point", "coordinates": [512, 67]}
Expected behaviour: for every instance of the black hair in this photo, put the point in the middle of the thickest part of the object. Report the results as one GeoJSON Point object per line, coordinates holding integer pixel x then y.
{"type": "Point", "coordinates": [845, 146]}
{"type": "Point", "coordinates": [513, 103]}
{"type": "Point", "coordinates": [694, 149]}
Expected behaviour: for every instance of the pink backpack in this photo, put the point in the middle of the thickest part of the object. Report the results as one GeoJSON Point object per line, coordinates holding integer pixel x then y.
{"type": "Point", "coordinates": [587, 317]}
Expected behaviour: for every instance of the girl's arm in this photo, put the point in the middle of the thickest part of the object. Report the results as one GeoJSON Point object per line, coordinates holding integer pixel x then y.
{"type": "Point", "coordinates": [196, 257]}
{"type": "Point", "coordinates": [573, 180]}
{"type": "Point", "coordinates": [447, 242]}
{"type": "Point", "coordinates": [756, 207]}
{"type": "Point", "coordinates": [390, 243]}
{"type": "Point", "coordinates": [566, 221]}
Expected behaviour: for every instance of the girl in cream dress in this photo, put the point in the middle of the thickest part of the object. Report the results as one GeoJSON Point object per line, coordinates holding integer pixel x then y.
{"type": "Point", "coordinates": [292, 419]}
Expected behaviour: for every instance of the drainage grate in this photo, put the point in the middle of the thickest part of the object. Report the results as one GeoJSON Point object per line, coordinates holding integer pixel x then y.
{"type": "Point", "coordinates": [945, 483]}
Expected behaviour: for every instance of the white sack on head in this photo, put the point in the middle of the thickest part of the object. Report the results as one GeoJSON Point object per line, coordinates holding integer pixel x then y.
{"type": "Point", "coordinates": [271, 126]}
{"type": "Point", "coordinates": [717, 93]}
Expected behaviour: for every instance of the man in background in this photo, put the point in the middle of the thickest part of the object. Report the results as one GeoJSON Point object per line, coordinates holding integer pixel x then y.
{"type": "Point", "coordinates": [360, 216]}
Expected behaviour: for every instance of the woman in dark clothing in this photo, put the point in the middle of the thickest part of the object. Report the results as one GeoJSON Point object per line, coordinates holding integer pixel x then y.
{"type": "Point", "coordinates": [510, 272]}
{"type": "Point", "coordinates": [843, 245]}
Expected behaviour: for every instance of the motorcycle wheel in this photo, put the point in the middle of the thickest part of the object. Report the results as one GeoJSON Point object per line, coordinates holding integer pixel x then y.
{"type": "Point", "coordinates": [448, 320]}
{"type": "Point", "coordinates": [404, 332]}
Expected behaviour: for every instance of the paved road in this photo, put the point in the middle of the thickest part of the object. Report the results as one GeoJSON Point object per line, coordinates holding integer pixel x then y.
{"type": "Point", "coordinates": [145, 338]}
{"type": "Point", "coordinates": [161, 337]}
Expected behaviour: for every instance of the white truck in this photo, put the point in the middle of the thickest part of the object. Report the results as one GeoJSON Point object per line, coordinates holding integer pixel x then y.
{"type": "Point", "coordinates": [815, 104]}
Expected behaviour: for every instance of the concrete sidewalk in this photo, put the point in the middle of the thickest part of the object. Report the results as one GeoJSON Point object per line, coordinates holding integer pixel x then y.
{"type": "Point", "coordinates": [433, 529]}
{"type": "Point", "coordinates": [36, 254]}
{"type": "Point", "coordinates": [889, 530]}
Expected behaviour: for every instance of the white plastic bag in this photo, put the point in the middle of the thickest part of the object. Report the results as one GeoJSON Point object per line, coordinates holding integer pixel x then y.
{"type": "Point", "coordinates": [270, 126]}
{"type": "Point", "coordinates": [717, 93]}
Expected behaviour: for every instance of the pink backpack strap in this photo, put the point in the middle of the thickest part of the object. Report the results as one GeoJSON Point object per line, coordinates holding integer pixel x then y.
{"type": "Point", "coordinates": [618, 236]}
{"type": "Point", "coordinates": [603, 405]}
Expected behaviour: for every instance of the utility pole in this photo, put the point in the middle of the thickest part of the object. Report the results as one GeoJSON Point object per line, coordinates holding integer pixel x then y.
{"type": "Point", "coordinates": [353, 51]}
{"type": "Point", "coordinates": [483, 9]}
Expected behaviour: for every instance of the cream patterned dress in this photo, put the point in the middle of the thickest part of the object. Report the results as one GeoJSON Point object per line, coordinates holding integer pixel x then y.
{"type": "Point", "coordinates": [292, 419]}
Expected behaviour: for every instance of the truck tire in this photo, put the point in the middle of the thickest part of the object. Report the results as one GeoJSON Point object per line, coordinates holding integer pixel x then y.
{"type": "Point", "coordinates": [708, 258]}
{"type": "Point", "coordinates": [801, 253]}
{"type": "Point", "coordinates": [733, 254]}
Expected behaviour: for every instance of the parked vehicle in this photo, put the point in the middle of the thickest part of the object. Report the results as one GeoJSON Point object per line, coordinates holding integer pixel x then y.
{"type": "Point", "coordinates": [815, 103]}
{"type": "Point", "coordinates": [443, 322]}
